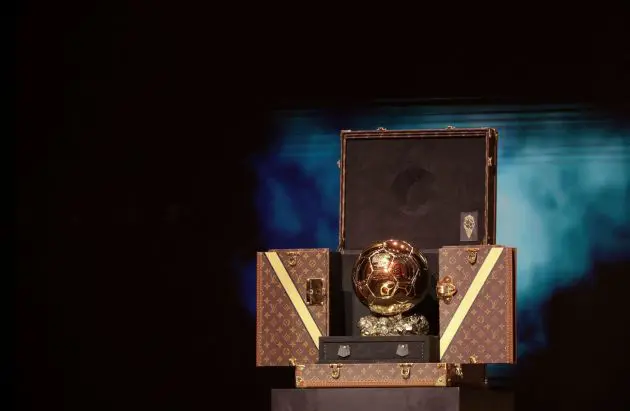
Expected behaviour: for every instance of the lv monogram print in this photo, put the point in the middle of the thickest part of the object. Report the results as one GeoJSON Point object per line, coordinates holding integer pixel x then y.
{"type": "Point", "coordinates": [372, 375]}
{"type": "Point", "coordinates": [280, 333]}
{"type": "Point", "coordinates": [486, 333]}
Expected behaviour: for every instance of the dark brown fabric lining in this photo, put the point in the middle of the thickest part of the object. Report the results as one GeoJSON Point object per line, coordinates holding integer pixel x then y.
{"type": "Point", "coordinates": [413, 189]}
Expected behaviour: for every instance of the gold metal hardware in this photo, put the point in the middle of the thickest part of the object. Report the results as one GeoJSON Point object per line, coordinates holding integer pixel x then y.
{"type": "Point", "coordinates": [473, 359]}
{"type": "Point", "coordinates": [292, 362]}
{"type": "Point", "coordinates": [405, 370]}
{"type": "Point", "coordinates": [472, 255]}
{"type": "Point", "coordinates": [315, 294]}
{"type": "Point", "coordinates": [490, 161]}
{"type": "Point", "coordinates": [335, 372]}
{"type": "Point", "coordinates": [459, 371]}
{"type": "Point", "coordinates": [299, 381]}
{"type": "Point", "coordinates": [292, 260]}
{"type": "Point", "coordinates": [445, 289]}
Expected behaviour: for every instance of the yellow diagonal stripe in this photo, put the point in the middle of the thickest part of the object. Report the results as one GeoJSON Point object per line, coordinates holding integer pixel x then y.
{"type": "Point", "coordinates": [294, 296]}
{"type": "Point", "coordinates": [469, 298]}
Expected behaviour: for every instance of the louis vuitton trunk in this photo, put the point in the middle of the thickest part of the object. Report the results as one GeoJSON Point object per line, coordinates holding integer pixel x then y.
{"type": "Point", "coordinates": [476, 293]}
{"type": "Point", "coordinates": [384, 375]}
{"type": "Point", "coordinates": [297, 292]}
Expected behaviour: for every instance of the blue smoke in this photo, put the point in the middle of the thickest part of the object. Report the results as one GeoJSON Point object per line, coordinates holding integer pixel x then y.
{"type": "Point", "coordinates": [564, 184]}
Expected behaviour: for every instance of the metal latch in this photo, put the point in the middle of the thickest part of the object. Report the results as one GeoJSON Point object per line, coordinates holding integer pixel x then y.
{"type": "Point", "coordinates": [335, 372]}
{"type": "Point", "coordinates": [405, 370]}
{"type": "Point", "coordinates": [315, 294]}
{"type": "Point", "coordinates": [445, 289]}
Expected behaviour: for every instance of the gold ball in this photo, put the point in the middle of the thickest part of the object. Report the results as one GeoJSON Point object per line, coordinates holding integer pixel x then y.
{"type": "Point", "coordinates": [390, 277]}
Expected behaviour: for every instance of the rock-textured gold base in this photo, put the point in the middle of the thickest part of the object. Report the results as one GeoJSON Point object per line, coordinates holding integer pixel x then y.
{"type": "Point", "coordinates": [373, 326]}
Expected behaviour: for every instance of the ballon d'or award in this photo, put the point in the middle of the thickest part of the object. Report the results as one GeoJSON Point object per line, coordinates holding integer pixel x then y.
{"type": "Point", "coordinates": [390, 278]}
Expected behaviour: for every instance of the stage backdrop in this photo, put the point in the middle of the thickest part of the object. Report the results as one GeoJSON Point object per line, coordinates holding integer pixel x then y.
{"type": "Point", "coordinates": [563, 184]}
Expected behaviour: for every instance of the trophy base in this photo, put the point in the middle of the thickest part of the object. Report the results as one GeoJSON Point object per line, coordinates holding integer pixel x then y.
{"type": "Point", "coordinates": [373, 326]}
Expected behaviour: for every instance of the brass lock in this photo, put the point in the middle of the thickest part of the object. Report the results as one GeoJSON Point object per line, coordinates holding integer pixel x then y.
{"type": "Point", "coordinates": [446, 290]}
{"type": "Point", "coordinates": [315, 293]}
{"type": "Point", "coordinates": [405, 370]}
{"type": "Point", "coordinates": [335, 372]}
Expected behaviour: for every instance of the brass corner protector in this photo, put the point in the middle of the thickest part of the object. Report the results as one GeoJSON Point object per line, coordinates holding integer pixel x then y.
{"type": "Point", "coordinates": [299, 381]}
{"type": "Point", "coordinates": [441, 381]}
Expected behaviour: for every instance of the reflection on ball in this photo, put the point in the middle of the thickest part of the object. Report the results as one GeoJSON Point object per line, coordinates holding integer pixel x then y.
{"type": "Point", "coordinates": [390, 277]}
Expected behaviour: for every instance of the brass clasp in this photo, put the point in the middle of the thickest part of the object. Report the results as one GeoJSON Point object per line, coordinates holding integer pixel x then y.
{"type": "Point", "coordinates": [445, 289]}
{"type": "Point", "coordinates": [405, 370]}
{"type": "Point", "coordinates": [335, 372]}
{"type": "Point", "coordinates": [472, 255]}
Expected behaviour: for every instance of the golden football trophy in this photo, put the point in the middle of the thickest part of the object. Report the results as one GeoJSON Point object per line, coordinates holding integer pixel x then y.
{"type": "Point", "coordinates": [390, 278]}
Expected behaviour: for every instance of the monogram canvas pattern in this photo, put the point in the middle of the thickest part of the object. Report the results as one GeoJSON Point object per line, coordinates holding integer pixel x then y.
{"type": "Point", "coordinates": [453, 263]}
{"type": "Point", "coordinates": [487, 331]}
{"type": "Point", "coordinates": [280, 333]}
{"type": "Point", "coordinates": [372, 375]}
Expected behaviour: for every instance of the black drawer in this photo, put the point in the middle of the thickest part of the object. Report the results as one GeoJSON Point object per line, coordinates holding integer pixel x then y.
{"type": "Point", "coordinates": [414, 348]}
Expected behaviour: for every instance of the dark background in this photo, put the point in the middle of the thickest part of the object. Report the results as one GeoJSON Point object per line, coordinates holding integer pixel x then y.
{"type": "Point", "coordinates": [134, 189]}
